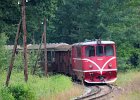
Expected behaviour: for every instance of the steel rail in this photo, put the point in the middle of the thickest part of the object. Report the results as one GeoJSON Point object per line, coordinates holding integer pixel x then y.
{"type": "Point", "coordinates": [96, 94]}
{"type": "Point", "coordinates": [92, 92]}
{"type": "Point", "coordinates": [103, 95]}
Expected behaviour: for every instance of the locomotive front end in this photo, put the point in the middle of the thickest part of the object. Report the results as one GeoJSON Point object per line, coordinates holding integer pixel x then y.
{"type": "Point", "coordinates": [97, 63]}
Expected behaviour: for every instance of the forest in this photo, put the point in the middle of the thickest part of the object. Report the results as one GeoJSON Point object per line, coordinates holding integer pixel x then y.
{"type": "Point", "coordinates": [72, 21]}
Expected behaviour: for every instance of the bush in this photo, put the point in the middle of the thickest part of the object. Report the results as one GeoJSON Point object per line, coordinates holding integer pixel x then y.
{"type": "Point", "coordinates": [128, 57]}
{"type": "Point", "coordinates": [17, 92]}
{"type": "Point", "coordinates": [134, 59]}
{"type": "Point", "coordinates": [5, 94]}
{"type": "Point", "coordinates": [123, 64]}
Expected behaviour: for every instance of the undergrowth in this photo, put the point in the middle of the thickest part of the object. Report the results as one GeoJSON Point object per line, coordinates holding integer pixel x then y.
{"type": "Point", "coordinates": [34, 89]}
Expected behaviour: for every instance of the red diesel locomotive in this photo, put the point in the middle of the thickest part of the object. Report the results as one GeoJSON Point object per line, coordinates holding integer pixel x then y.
{"type": "Point", "coordinates": [94, 61]}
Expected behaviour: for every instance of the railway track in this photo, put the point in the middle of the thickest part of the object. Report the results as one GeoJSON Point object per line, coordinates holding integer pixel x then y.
{"type": "Point", "coordinates": [96, 92]}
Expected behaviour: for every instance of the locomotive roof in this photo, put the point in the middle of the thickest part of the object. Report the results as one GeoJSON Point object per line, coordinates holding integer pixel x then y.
{"type": "Point", "coordinates": [94, 42]}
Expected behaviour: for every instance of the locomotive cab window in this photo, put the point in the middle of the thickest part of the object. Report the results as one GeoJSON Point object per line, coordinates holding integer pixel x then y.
{"type": "Point", "coordinates": [90, 51]}
{"type": "Point", "coordinates": [99, 50]}
{"type": "Point", "coordinates": [109, 50]}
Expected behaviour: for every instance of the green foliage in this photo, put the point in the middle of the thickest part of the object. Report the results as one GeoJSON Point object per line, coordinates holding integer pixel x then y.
{"type": "Point", "coordinates": [9, 17]}
{"type": "Point", "coordinates": [18, 63]}
{"type": "Point", "coordinates": [123, 64]}
{"type": "Point", "coordinates": [21, 92]}
{"type": "Point", "coordinates": [45, 87]}
{"type": "Point", "coordinates": [122, 50]}
{"type": "Point", "coordinates": [128, 56]}
{"type": "Point", "coordinates": [17, 92]}
{"type": "Point", "coordinates": [32, 58]}
{"type": "Point", "coordinates": [5, 94]}
{"type": "Point", "coordinates": [4, 52]}
{"type": "Point", "coordinates": [72, 21]}
{"type": "Point", "coordinates": [35, 88]}
{"type": "Point", "coordinates": [89, 19]}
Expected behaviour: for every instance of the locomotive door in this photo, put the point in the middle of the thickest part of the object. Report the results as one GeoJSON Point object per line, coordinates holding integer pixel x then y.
{"type": "Point", "coordinates": [76, 58]}
{"type": "Point", "coordinates": [77, 61]}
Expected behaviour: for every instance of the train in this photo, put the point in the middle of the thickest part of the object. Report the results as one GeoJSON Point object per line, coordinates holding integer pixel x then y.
{"type": "Point", "coordinates": [89, 61]}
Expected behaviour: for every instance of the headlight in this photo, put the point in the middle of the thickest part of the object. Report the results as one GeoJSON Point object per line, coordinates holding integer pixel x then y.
{"type": "Point", "coordinates": [110, 65]}
{"type": "Point", "coordinates": [90, 66]}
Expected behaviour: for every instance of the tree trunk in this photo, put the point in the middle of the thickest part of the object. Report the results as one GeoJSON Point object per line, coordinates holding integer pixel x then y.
{"type": "Point", "coordinates": [24, 40]}
{"type": "Point", "coordinates": [13, 55]}
{"type": "Point", "coordinates": [45, 48]}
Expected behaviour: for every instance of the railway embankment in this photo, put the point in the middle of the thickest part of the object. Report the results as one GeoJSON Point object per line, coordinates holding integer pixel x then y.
{"type": "Point", "coordinates": [127, 86]}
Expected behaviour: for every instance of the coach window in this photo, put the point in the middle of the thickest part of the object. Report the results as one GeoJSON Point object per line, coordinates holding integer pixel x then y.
{"type": "Point", "coordinates": [53, 56]}
{"type": "Point", "coordinates": [90, 51]}
{"type": "Point", "coordinates": [49, 56]}
{"type": "Point", "coordinates": [109, 50]}
{"type": "Point", "coordinates": [99, 50]}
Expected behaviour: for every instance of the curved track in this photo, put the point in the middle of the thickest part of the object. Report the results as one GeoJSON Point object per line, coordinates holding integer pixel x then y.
{"type": "Point", "coordinates": [96, 92]}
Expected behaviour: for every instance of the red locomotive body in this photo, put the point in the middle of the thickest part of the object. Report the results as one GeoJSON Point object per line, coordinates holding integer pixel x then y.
{"type": "Point", "coordinates": [95, 61]}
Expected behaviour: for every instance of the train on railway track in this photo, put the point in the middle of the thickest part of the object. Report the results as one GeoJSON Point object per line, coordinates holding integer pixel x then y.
{"type": "Point", "coordinates": [90, 61]}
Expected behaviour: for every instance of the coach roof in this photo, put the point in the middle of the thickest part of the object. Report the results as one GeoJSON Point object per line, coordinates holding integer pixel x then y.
{"type": "Point", "coordinates": [51, 46]}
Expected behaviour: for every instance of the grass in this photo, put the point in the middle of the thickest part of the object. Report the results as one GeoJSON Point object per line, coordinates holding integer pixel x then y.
{"type": "Point", "coordinates": [129, 83]}
{"type": "Point", "coordinates": [51, 88]}
{"type": "Point", "coordinates": [127, 77]}
{"type": "Point", "coordinates": [134, 95]}
{"type": "Point", "coordinates": [68, 94]}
